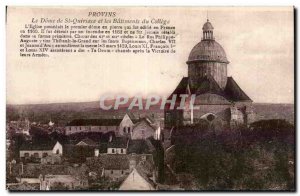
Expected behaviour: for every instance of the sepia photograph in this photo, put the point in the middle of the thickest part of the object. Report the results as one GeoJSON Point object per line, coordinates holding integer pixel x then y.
{"type": "Point", "coordinates": [186, 99]}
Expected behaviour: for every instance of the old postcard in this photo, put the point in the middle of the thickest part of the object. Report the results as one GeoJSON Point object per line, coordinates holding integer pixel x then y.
{"type": "Point", "coordinates": [150, 99]}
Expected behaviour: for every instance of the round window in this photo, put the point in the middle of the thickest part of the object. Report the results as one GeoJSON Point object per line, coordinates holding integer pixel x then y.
{"type": "Point", "coordinates": [210, 117]}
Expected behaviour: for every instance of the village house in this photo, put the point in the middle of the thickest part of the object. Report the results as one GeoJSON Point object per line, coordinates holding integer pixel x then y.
{"type": "Point", "coordinates": [116, 166]}
{"type": "Point", "coordinates": [143, 129]}
{"type": "Point", "coordinates": [37, 151]}
{"type": "Point", "coordinates": [86, 142]}
{"type": "Point", "coordinates": [111, 166]}
{"type": "Point", "coordinates": [19, 126]}
{"type": "Point", "coordinates": [80, 150]}
{"type": "Point", "coordinates": [93, 125]}
{"type": "Point", "coordinates": [126, 125]}
{"type": "Point", "coordinates": [61, 182]}
{"type": "Point", "coordinates": [142, 177]}
{"type": "Point", "coordinates": [117, 145]}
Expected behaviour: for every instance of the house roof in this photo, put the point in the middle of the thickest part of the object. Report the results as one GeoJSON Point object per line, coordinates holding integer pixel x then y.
{"type": "Point", "coordinates": [95, 122]}
{"type": "Point", "coordinates": [145, 169]}
{"type": "Point", "coordinates": [61, 178]}
{"type": "Point", "coordinates": [132, 117]}
{"type": "Point", "coordinates": [71, 150]}
{"type": "Point", "coordinates": [87, 141]}
{"type": "Point", "coordinates": [140, 147]}
{"type": "Point", "coordinates": [118, 142]}
{"type": "Point", "coordinates": [113, 161]}
{"type": "Point", "coordinates": [150, 119]}
{"type": "Point", "coordinates": [147, 121]}
{"type": "Point", "coordinates": [38, 146]}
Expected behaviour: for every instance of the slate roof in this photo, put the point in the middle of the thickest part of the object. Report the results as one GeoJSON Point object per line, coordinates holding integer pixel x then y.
{"type": "Point", "coordinates": [208, 85]}
{"type": "Point", "coordinates": [38, 146]}
{"type": "Point", "coordinates": [148, 122]}
{"type": "Point", "coordinates": [118, 142]}
{"type": "Point", "coordinates": [140, 147]}
{"type": "Point", "coordinates": [232, 91]}
{"type": "Point", "coordinates": [181, 87]}
{"type": "Point", "coordinates": [150, 119]}
{"type": "Point", "coordinates": [71, 149]}
{"type": "Point", "coordinates": [95, 122]}
{"type": "Point", "coordinates": [113, 161]}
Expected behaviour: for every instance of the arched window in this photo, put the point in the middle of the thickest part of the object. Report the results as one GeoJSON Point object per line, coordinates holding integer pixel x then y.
{"type": "Point", "coordinates": [57, 151]}
{"type": "Point", "coordinates": [124, 129]}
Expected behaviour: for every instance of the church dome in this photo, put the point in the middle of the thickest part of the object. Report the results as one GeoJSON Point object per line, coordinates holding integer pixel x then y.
{"type": "Point", "coordinates": [207, 26]}
{"type": "Point", "coordinates": [208, 50]}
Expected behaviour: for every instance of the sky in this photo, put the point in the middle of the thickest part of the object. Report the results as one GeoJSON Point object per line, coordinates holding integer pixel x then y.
{"type": "Point", "coordinates": [259, 43]}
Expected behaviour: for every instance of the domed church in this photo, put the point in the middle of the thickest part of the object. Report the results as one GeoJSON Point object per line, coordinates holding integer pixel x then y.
{"type": "Point", "coordinates": [217, 96]}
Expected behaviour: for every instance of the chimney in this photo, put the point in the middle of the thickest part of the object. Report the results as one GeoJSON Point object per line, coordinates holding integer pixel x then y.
{"type": "Point", "coordinates": [96, 152]}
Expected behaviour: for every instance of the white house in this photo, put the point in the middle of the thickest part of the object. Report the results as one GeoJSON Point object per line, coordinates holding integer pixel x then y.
{"type": "Point", "coordinates": [117, 145]}
{"type": "Point", "coordinates": [41, 150]}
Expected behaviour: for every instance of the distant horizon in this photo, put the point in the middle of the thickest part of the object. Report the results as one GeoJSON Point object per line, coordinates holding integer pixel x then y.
{"type": "Point", "coordinates": [71, 102]}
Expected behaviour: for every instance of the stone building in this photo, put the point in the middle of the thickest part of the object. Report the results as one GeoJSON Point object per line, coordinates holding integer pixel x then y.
{"type": "Point", "coordinates": [143, 129]}
{"type": "Point", "coordinates": [93, 125]}
{"type": "Point", "coordinates": [215, 95]}
{"type": "Point", "coordinates": [62, 182]}
{"type": "Point", "coordinates": [126, 125]}
{"type": "Point", "coordinates": [30, 151]}
{"type": "Point", "coordinates": [121, 126]}
{"type": "Point", "coordinates": [117, 145]}
{"type": "Point", "coordinates": [117, 166]}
